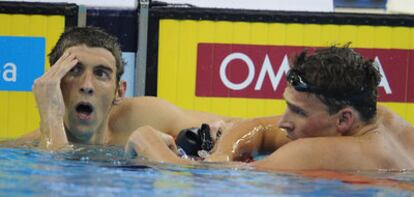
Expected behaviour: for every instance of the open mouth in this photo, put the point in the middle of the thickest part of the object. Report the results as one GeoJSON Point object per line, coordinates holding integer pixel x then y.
{"type": "Point", "coordinates": [84, 111]}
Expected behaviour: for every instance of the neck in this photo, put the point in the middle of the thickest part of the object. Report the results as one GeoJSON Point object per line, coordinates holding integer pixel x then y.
{"type": "Point", "coordinates": [362, 128]}
{"type": "Point", "coordinates": [100, 135]}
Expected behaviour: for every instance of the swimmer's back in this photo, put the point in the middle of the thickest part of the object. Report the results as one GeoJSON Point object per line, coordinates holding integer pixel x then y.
{"type": "Point", "coordinates": [396, 133]}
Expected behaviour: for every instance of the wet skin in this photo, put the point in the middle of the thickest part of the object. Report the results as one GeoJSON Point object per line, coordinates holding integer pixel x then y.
{"type": "Point", "coordinates": [306, 116]}
{"type": "Point", "coordinates": [89, 89]}
{"type": "Point", "coordinates": [318, 140]}
{"type": "Point", "coordinates": [79, 101]}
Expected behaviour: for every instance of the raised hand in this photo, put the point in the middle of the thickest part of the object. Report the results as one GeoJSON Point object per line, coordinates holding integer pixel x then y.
{"type": "Point", "coordinates": [50, 103]}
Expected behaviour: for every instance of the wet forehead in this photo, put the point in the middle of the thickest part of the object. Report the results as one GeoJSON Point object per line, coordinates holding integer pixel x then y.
{"type": "Point", "coordinates": [93, 56]}
{"type": "Point", "coordinates": [302, 99]}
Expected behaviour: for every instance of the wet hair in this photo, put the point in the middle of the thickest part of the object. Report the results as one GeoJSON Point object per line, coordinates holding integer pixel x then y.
{"type": "Point", "coordinates": [91, 37]}
{"type": "Point", "coordinates": [339, 77]}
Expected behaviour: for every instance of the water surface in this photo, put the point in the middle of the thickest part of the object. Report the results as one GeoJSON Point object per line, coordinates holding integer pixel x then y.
{"type": "Point", "coordinates": [103, 171]}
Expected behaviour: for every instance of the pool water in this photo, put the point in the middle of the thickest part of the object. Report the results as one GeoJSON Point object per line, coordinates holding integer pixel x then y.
{"type": "Point", "coordinates": [103, 171]}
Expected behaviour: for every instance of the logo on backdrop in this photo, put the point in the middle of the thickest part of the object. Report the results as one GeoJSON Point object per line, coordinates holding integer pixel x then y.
{"type": "Point", "coordinates": [22, 60]}
{"type": "Point", "coordinates": [258, 71]}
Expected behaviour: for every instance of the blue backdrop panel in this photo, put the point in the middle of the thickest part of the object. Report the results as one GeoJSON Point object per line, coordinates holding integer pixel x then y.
{"type": "Point", "coordinates": [22, 61]}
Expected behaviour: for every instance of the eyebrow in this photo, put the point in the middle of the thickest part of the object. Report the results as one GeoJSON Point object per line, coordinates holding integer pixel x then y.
{"type": "Point", "coordinates": [296, 108]}
{"type": "Point", "coordinates": [109, 69]}
{"type": "Point", "coordinates": [293, 105]}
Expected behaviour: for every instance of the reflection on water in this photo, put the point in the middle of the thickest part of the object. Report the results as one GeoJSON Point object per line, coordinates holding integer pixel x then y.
{"type": "Point", "coordinates": [104, 171]}
{"type": "Point", "coordinates": [109, 155]}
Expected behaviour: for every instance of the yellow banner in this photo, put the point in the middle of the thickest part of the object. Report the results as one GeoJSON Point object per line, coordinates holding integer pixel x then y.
{"type": "Point", "coordinates": [18, 111]}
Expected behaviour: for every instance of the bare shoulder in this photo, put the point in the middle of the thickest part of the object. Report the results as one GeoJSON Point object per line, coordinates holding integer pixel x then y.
{"type": "Point", "coordinates": [314, 153]}
{"type": "Point", "coordinates": [391, 123]}
{"type": "Point", "coordinates": [132, 113]}
{"type": "Point", "coordinates": [141, 102]}
{"type": "Point", "coordinates": [390, 119]}
{"type": "Point", "coordinates": [399, 133]}
{"type": "Point", "coordinates": [147, 100]}
{"type": "Point", "coordinates": [25, 140]}
{"type": "Point", "coordinates": [130, 107]}
{"type": "Point", "coordinates": [32, 135]}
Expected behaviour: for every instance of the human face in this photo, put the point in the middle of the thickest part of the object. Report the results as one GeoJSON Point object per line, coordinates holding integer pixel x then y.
{"type": "Point", "coordinates": [88, 90]}
{"type": "Point", "coordinates": [306, 116]}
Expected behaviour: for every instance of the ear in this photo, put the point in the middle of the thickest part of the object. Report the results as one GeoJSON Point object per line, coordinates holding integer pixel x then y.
{"type": "Point", "coordinates": [346, 118]}
{"type": "Point", "coordinates": [122, 88]}
{"type": "Point", "coordinates": [120, 92]}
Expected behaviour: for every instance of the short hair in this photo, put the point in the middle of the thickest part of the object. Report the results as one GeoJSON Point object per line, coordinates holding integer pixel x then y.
{"type": "Point", "coordinates": [91, 37]}
{"type": "Point", "coordinates": [341, 77]}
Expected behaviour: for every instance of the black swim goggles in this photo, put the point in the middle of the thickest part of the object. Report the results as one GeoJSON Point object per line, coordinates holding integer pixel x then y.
{"type": "Point", "coordinates": [299, 83]}
{"type": "Point", "coordinates": [294, 78]}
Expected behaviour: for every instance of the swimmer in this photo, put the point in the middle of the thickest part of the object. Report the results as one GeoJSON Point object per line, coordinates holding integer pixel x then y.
{"type": "Point", "coordinates": [332, 122]}
{"type": "Point", "coordinates": [81, 98]}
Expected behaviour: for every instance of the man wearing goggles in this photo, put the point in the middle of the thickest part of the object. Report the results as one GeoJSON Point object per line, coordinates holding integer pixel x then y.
{"type": "Point", "coordinates": [332, 121]}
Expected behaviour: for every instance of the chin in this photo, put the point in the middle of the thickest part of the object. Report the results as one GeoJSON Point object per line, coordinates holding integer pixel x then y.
{"type": "Point", "coordinates": [80, 134]}
{"type": "Point", "coordinates": [291, 136]}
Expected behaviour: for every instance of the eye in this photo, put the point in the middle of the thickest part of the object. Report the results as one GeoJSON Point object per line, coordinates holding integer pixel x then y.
{"type": "Point", "coordinates": [298, 111]}
{"type": "Point", "coordinates": [75, 71]}
{"type": "Point", "coordinates": [102, 73]}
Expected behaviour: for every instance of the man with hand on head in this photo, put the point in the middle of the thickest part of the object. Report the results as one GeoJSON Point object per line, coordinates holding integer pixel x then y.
{"type": "Point", "coordinates": [332, 122]}
{"type": "Point", "coordinates": [80, 98]}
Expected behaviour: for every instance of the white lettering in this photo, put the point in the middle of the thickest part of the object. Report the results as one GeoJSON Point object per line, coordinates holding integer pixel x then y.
{"type": "Point", "coordinates": [10, 72]}
{"type": "Point", "coordinates": [223, 67]}
{"type": "Point", "coordinates": [384, 81]}
{"type": "Point", "coordinates": [267, 68]}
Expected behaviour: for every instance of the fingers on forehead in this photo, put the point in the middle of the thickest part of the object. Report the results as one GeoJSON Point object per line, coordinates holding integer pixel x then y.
{"type": "Point", "coordinates": [63, 68]}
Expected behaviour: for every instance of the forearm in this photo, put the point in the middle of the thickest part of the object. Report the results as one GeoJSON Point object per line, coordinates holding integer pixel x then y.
{"type": "Point", "coordinates": [250, 136]}
{"type": "Point", "coordinates": [244, 138]}
{"type": "Point", "coordinates": [50, 103]}
{"type": "Point", "coordinates": [154, 146]}
{"type": "Point", "coordinates": [53, 136]}
{"type": "Point", "coordinates": [159, 152]}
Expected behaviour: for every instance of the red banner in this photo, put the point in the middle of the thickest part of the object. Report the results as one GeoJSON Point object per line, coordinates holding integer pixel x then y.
{"type": "Point", "coordinates": [258, 71]}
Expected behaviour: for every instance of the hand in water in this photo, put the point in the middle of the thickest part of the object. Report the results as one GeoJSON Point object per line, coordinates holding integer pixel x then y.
{"type": "Point", "coordinates": [217, 128]}
{"type": "Point", "coordinates": [151, 144]}
{"type": "Point", "coordinates": [50, 102]}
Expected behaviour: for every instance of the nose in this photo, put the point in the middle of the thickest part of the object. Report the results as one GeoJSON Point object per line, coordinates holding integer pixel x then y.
{"type": "Point", "coordinates": [86, 90]}
{"type": "Point", "coordinates": [86, 85]}
{"type": "Point", "coordinates": [285, 123]}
